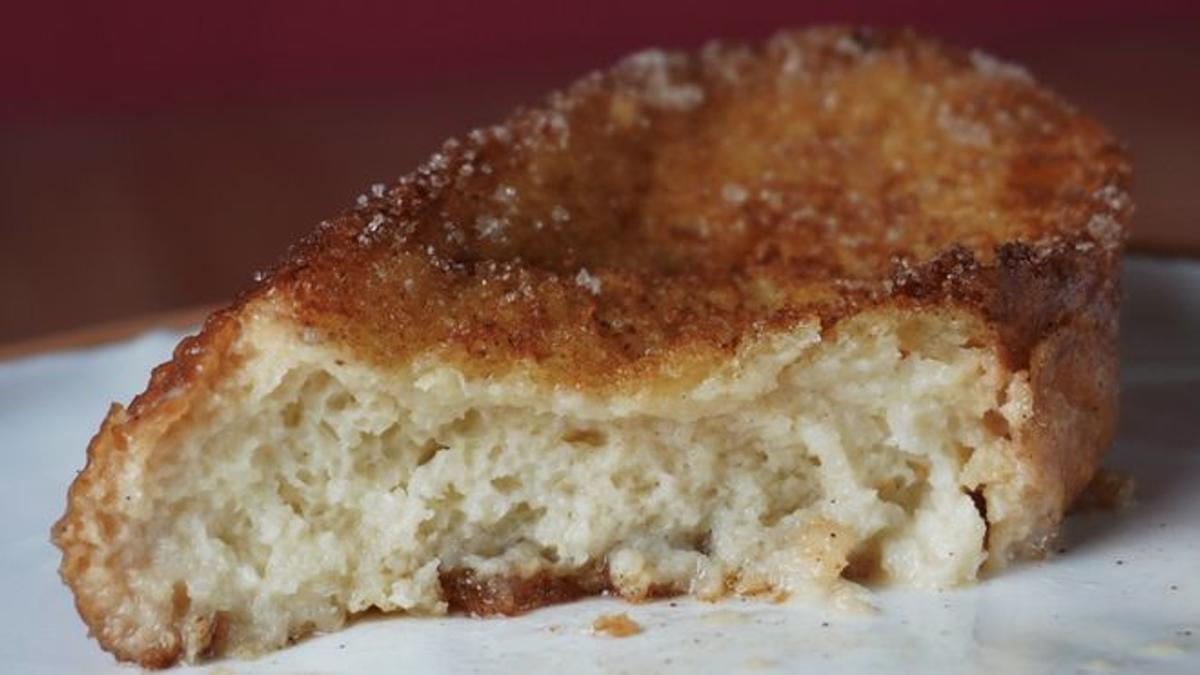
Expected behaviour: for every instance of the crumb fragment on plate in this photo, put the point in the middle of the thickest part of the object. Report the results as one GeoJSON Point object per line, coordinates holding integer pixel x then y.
{"type": "Point", "coordinates": [615, 625]}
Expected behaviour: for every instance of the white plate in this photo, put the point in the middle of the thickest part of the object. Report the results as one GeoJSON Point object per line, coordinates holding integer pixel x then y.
{"type": "Point", "coordinates": [1125, 596]}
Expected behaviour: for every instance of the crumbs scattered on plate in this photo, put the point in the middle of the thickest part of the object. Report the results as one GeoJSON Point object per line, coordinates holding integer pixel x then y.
{"type": "Point", "coordinates": [615, 625]}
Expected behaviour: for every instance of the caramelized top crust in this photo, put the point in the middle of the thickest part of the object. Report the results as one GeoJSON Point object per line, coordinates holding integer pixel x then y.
{"type": "Point", "coordinates": [668, 209]}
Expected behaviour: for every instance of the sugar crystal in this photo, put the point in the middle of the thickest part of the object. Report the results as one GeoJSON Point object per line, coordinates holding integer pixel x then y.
{"type": "Point", "coordinates": [505, 193]}
{"type": "Point", "coordinates": [989, 65]}
{"type": "Point", "coordinates": [651, 72]}
{"type": "Point", "coordinates": [1112, 197]}
{"type": "Point", "coordinates": [489, 226]}
{"type": "Point", "coordinates": [848, 46]}
{"type": "Point", "coordinates": [588, 281]}
{"type": "Point", "coordinates": [734, 193]}
{"type": "Point", "coordinates": [373, 226]}
{"type": "Point", "coordinates": [961, 129]}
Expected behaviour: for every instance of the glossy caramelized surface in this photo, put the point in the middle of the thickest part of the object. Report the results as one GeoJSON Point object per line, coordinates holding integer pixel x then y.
{"type": "Point", "coordinates": [676, 205]}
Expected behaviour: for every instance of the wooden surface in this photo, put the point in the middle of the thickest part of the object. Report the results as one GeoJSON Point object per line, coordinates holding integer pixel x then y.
{"type": "Point", "coordinates": [112, 218]}
{"type": "Point", "coordinates": [105, 333]}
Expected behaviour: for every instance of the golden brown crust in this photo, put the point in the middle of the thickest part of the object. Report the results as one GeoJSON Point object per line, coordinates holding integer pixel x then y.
{"type": "Point", "coordinates": [94, 500]}
{"type": "Point", "coordinates": [465, 592]}
{"type": "Point", "coordinates": [1074, 382]}
{"type": "Point", "coordinates": [674, 207]}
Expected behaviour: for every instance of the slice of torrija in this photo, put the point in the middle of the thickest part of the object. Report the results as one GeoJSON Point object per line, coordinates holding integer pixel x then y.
{"type": "Point", "coordinates": [838, 308]}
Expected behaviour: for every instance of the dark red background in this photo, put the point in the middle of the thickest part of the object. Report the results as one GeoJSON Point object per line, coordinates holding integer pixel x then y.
{"type": "Point", "coordinates": [91, 56]}
{"type": "Point", "coordinates": [152, 154]}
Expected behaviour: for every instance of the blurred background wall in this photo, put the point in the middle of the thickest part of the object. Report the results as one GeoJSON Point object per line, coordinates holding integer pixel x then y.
{"type": "Point", "coordinates": [154, 154]}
